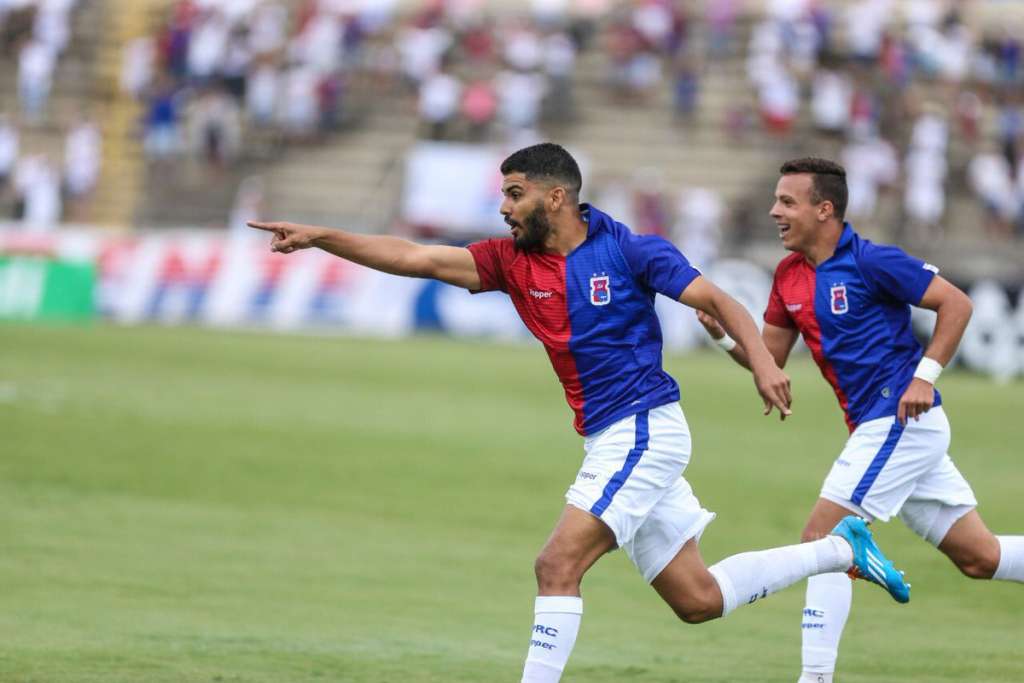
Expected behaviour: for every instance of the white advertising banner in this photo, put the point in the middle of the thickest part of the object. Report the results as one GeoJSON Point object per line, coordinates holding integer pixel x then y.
{"type": "Point", "coordinates": [212, 279]}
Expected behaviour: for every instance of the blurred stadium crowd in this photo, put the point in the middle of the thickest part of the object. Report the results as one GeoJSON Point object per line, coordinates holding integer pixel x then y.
{"type": "Point", "coordinates": [919, 103]}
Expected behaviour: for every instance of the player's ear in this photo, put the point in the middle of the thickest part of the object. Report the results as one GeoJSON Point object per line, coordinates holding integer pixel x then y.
{"type": "Point", "coordinates": [826, 210]}
{"type": "Point", "coordinates": [556, 198]}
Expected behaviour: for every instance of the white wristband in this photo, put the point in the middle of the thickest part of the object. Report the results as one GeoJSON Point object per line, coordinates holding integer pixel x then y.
{"type": "Point", "coordinates": [928, 370]}
{"type": "Point", "coordinates": [727, 343]}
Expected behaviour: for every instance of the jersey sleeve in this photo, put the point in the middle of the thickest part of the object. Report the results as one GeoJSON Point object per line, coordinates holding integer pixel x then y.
{"type": "Point", "coordinates": [776, 313]}
{"type": "Point", "coordinates": [490, 265]}
{"type": "Point", "coordinates": [658, 264]}
{"type": "Point", "coordinates": [896, 275]}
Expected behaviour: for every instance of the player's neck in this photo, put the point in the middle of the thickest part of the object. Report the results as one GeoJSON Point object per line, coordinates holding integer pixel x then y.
{"type": "Point", "coordinates": [565, 237]}
{"type": "Point", "coordinates": [824, 246]}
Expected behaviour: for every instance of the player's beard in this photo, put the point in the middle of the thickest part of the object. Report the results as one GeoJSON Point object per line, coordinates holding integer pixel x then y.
{"type": "Point", "coordinates": [534, 230]}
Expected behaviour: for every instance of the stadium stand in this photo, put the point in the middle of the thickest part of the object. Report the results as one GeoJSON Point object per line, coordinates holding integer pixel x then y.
{"type": "Point", "coordinates": [663, 99]}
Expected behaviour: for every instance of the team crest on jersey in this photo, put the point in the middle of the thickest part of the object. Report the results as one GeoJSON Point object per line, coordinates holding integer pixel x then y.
{"type": "Point", "coordinates": [600, 290]}
{"type": "Point", "coordinates": [840, 304]}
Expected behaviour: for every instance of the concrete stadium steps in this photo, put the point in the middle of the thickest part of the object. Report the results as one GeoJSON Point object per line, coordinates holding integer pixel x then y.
{"type": "Point", "coordinates": [354, 179]}
{"type": "Point", "coordinates": [622, 138]}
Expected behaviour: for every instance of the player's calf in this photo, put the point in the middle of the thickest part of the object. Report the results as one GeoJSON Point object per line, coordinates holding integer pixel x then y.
{"type": "Point", "coordinates": [696, 609]}
{"type": "Point", "coordinates": [978, 562]}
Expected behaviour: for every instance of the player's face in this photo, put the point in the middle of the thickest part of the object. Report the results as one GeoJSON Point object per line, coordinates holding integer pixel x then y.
{"type": "Point", "coordinates": [523, 209]}
{"type": "Point", "coordinates": [795, 215]}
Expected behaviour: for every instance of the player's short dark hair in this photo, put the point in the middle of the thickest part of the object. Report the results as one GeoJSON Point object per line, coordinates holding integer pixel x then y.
{"type": "Point", "coordinates": [545, 161]}
{"type": "Point", "coordinates": [828, 181]}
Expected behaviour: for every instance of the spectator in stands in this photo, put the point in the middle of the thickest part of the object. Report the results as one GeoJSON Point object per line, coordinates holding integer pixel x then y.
{"type": "Point", "coordinates": [439, 98]}
{"type": "Point", "coordinates": [519, 100]}
{"type": "Point", "coordinates": [421, 51]}
{"type": "Point", "coordinates": [925, 197]}
{"type": "Point", "coordinates": [52, 24]}
{"type": "Point", "coordinates": [523, 47]}
{"type": "Point", "coordinates": [262, 91]}
{"type": "Point", "coordinates": [301, 107]}
{"type": "Point", "coordinates": [652, 209]}
{"type": "Point", "coordinates": [479, 106]}
{"type": "Point", "coordinates": [138, 65]}
{"type": "Point", "coordinates": [991, 178]}
{"type": "Point", "coordinates": [37, 187]}
{"type": "Point", "coordinates": [330, 95]}
{"type": "Point", "coordinates": [697, 232]}
{"type": "Point", "coordinates": [865, 27]}
{"type": "Point", "coordinates": [36, 63]}
{"type": "Point", "coordinates": [161, 139]}
{"type": "Point", "coordinates": [831, 100]}
{"type": "Point", "coordinates": [1011, 128]}
{"type": "Point", "coordinates": [82, 156]}
{"type": "Point", "coordinates": [559, 61]}
{"type": "Point", "coordinates": [267, 30]}
{"type": "Point", "coordinates": [871, 164]}
{"type": "Point", "coordinates": [207, 46]}
{"type": "Point", "coordinates": [686, 87]}
{"type": "Point", "coordinates": [9, 148]}
{"type": "Point", "coordinates": [721, 21]}
{"type": "Point", "coordinates": [779, 97]}
{"type": "Point", "coordinates": [214, 125]}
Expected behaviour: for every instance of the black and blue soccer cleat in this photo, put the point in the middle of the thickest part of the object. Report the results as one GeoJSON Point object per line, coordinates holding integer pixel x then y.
{"type": "Point", "coordinates": [868, 561]}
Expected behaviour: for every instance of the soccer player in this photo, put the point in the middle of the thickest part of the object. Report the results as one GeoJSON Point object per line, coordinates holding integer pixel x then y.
{"type": "Point", "coordinates": [585, 286]}
{"type": "Point", "coordinates": [851, 299]}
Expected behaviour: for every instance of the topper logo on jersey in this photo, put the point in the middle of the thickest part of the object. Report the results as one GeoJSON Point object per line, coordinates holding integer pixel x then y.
{"type": "Point", "coordinates": [600, 290]}
{"type": "Point", "coordinates": [840, 304]}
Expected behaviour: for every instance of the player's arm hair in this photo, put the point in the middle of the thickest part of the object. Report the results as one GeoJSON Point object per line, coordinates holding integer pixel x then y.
{"type": "Point", "coordinates": [733, 317]}
{"type": "Point", "coordinates": [454, 265]}
{"type": "Point", "coordinates": [954, 310]}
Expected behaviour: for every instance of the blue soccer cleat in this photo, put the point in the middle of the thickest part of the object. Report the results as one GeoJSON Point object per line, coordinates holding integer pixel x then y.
{"type": "Point", "coordinates": [868, 561]}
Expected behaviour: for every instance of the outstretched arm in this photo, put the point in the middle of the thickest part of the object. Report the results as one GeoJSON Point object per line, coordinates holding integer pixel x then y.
{"type": "Point", "coordinates": [454, 265]}
{"type": "Point", "coordinates": [772, 384]}
{"type": "Point", "coordinates": [779, 340]}
{"type": "Point", "coordinates": [954, 310]}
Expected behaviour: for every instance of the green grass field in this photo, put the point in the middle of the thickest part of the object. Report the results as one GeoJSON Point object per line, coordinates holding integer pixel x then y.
{"type": "Point", "coordinates": [186, 505]}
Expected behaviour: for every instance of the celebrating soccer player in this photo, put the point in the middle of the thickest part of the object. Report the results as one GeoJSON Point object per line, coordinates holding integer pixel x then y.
{"type": "Point", "coordinates": [851, 299]}
{"type": "Point", "coordinates": [585, 286]}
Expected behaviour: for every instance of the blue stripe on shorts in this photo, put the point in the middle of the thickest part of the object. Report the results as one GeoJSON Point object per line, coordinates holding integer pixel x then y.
{"type": "Point", "coordinates": [620, 477]}
{"type": "Point", "coordinates": [875, 468]}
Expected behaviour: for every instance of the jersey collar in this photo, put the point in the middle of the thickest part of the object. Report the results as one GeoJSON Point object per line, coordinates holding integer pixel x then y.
{"type": "Point", "coordinates": [594, 218]}
{"type": "Point", "coordinates": [846, 237]}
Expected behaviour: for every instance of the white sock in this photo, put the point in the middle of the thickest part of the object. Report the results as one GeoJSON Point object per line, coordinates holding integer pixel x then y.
{"type": "Point", "coordinates": [1011, 559]}
{"type": "Point", "coordinates": [815, 678]}
{"type": "Point", "coordinates": [555, 625]}
{"type": "Point", "coordinates": [746, 577]}
{"type": "Point", "coordinates": [825, 611]}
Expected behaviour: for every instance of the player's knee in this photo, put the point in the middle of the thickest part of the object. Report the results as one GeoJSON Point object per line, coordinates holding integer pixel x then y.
{"type": "Point", "coordinates": [555, 575]}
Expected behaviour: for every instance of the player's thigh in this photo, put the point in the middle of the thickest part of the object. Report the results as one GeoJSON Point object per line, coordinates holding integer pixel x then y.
{"type": "Point", "coordinates": [823, 518]}
{"type": "Point", "coordinates": [577, 541]}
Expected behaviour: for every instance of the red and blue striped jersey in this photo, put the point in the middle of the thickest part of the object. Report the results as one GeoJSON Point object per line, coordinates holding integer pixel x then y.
{"type": "Point", "coordinates": [593, 311]}
{"type": "Point", "coordinates": [853, 311]}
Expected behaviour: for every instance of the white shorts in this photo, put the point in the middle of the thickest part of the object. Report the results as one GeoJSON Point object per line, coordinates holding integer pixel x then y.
{"type": "Point", "coordinates": [631, 479]}
{"type": "Point", "coordinates": [886, 470]}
